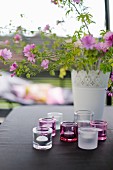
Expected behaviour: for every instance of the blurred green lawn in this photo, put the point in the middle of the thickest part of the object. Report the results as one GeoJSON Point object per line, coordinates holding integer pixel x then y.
{"type": "Point", "coordinates": [54, 81]}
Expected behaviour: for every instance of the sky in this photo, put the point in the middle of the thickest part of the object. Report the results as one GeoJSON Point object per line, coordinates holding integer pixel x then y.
{"type": "Point", "coordinates": [38, 13]}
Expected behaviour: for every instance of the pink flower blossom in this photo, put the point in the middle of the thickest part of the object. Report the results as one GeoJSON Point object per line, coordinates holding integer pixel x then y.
{"type": "Point", "coordinates": [31, 58]}
{"type": "Point", "coordinates": [13, 74]}
{"type": "Point", "coordinates": [54, 1]}
{"type": "Point", "coordinates": [28, 48]}
{"type": "Point", "coordinates": [17, 38]}
{"type": "Point", "coordinates": [14, 66]}
{"type": "Point", "coordinates": [45, 64]}
{"type": "Point", "coordinates": [1, 53]}
{"type": "Point", "coordinates": [109, 94]}
{"type": "Point", "coordinates": [28, 52]}
{"type": "Point", "coordinates": [101, 46]}
{"type": "Point", "coordinates": [88, 41]}
{"type": "Point", "coordinates": [112, 77]}
{"type": "Point", "coordinates": [77, 1]}
{"type": "Point", "coordinates": [109, 38]}
{"type": "Point", "coordinates": [47, 27]}
{"type": "Point", "coordinates": [6, 54]}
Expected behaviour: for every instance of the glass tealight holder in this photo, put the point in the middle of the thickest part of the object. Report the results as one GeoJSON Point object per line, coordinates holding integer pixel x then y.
{"type": "Point", "coordinates": [57, 116]}
{"type": "Point", "coordinates": [87, 138]}
{"type": "Point", "coordinates": [42, 138]}
{"type": "Point", "coordinates": [83, 117]}
{"type": "Point", "coordinates": [68, 131]}
{"type": "Point", "coordinates": [102, 128]}
{"type": "Point", "coordinates": [48, 122]}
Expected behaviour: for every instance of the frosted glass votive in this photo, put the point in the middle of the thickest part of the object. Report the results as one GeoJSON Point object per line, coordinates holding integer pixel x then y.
{"type": "Point", "coordinates": [57, 116]}
{"type": "Point", "coordinates": [42, 138]}
{"type": "Point", "coordinates": [87, 138]}
{"type": "Point", "coordinates": [48, 122]}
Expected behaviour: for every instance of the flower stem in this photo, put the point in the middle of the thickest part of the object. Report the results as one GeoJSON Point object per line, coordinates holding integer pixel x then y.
{"type": "Point", "coordinates": [83, 19]}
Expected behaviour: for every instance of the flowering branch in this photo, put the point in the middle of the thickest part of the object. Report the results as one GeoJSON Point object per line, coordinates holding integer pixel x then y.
{"type": "Point", "coordinates": [83, 18]}
{"type": "Point", "coordinates": [82, 51]}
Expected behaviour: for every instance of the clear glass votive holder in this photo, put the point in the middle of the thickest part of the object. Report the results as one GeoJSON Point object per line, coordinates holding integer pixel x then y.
{"type": "Point", "coordinates": [48, 122]}
{"type": "Point", "coordinates": [87, 138]}
{"type": "Point", "coordinates": [42, 138]}
{"type": "Point", "coordinates": [102, 128]}
{"type": "Point", "coordinates": [57, 116]}
{"type": "Point", "coordinates": [68, 131]}
{"type": "Point", "coordinates": [83, 117]}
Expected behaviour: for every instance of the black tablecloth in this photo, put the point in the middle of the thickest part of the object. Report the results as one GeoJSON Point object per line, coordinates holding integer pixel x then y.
{"type": "Point", "coordinates": [17, 153]}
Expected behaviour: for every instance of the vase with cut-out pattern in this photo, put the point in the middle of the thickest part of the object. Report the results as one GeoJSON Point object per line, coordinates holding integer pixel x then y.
{"type": "Point", "coordinates": [89, 91]}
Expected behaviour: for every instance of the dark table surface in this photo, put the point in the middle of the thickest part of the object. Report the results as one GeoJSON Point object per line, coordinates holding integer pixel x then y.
{"type": "Point", "coordinates": [17, 153]}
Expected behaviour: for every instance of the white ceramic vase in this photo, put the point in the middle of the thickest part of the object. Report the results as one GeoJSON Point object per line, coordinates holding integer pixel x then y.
{"type": "Point", "coordinates": [89, 91]}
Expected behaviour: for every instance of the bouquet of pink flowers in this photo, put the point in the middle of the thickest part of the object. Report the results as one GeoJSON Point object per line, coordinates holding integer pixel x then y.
{"type": "Point", "coordinates": [82, 51]}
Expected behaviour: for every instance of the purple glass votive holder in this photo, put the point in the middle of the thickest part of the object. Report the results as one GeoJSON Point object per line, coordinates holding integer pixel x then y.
{"type": "Point", "coordinates": [68, 131]}
{"type": "Point", "coordinates": [102, 128]}
{"type": "Point", "coordinates": [48, 122]}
